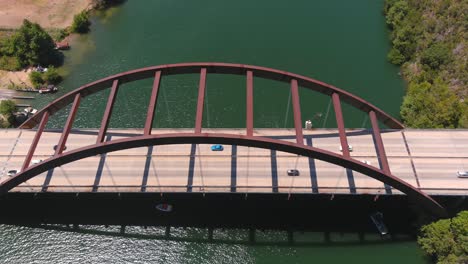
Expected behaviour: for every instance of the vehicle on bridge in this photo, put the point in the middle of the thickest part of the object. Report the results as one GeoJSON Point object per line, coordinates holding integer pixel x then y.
{"type": "Point", "coordinates": [12, 172]}
{"type": "Point", "coordinates": [462, 174]}
{"type": "Point", "coordinates": [293, 172]}
{"type": "Point", "coordinates": [217, 147]}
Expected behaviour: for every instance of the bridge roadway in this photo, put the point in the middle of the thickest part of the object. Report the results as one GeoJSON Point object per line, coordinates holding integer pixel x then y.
{"type": "Point", "coordinates": [427, 159]}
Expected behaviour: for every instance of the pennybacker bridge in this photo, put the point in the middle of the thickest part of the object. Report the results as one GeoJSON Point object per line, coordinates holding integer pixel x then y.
{"type": "Point", "coordinates": [120, 176]}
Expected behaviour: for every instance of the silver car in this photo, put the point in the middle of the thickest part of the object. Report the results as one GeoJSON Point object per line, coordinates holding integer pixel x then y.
{"type": "Point", "coordinates": [462, 174]}
{"type": "Point", "coordinates": [293, 172]}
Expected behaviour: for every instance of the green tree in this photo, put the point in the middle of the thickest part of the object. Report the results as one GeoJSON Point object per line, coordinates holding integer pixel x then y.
{"type": "Point", "coordinates": [446, 240]}
{"type": "Point", "coordinates": [435, 55]}
{"type": "Point", "coordinates": [396, 12]}
{"type": "Point", "coordinates": [52, 76]}
{"type": "Point", "coordinates": [36, 78]}
{"type": "Point", "coordinates": [7, 107]}
{"type": "Point", "coordinates": [31, 45]}
{"type": "Point", "coordinates": [395, 57]}
{"type": "Point", "coordinates": [80, 23]}
{"type": "Point", "coordinates": [429, 105]}
{"type": "Point", "coordinates": [404, 41]}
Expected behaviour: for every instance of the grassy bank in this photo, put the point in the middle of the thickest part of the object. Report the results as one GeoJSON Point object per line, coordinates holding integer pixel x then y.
{"type": "Point", "coordinates": [429, 41]}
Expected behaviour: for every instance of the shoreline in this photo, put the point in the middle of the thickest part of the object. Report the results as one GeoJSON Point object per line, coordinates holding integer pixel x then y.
{"type": "Point", "coordinates": [52, 16]}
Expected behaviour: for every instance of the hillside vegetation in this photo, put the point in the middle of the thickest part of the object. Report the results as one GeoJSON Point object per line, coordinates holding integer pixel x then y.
{"type": "Point", "coordinates": [429, 41]}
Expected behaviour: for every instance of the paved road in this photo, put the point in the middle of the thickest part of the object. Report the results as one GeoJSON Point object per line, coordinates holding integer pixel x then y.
{"type": "Point", "coordinates": [427, 159]}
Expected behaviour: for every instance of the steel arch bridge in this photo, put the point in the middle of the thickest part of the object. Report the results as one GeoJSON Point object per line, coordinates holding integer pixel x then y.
{"type": "Point", "coordinates": [337, 95]}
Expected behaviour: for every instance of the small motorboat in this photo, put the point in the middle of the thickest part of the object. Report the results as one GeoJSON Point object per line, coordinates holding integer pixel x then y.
{"type": "Point", "coordinates": [377, 219]}
{"type": "Point", "coordinates": [30, 111]}
{"type": "Point", "coordinates": [63, 45]}
{"type": "Point", "coordinates": [164, 207]}
{"type": "Point", "coordinates": [48, 89]}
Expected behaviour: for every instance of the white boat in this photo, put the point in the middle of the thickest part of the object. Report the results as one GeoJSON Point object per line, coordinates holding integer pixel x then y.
{"type": "Point", "coordinates": [164, 207]}
{"type": "Point", "coordinates": [377, 219]}
{"type": "Point", "coordinates": [48, 89]}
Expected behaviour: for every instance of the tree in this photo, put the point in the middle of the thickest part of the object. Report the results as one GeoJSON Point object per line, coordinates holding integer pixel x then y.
{"type": "Point", "coordinates": [31, 45]}
{"type": "Point", "coordinates": [80, 23]}
{"type": "Point", "coordinates": [395, 57]}
{"type": "Point", "coordinates": [436, 55]}
{"type": "Point", "coordinates": [7, 107]}
{"type": "Point", "coordinates": [36, 78]}
{"type": "Point", "coordinates": [429, 105]}
{"type": "Point", "coordinates": [446, 240]}
{"type": "Point", "coordinates": [396, 12]}
{"type": "Point", "coordinates": [52, 76]}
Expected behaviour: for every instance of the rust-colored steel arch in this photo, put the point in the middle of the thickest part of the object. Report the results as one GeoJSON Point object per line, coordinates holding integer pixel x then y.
{"type": "Point", "coordinates": [157, 72]}
{"type": "Point", "coordinates": [217, 138]}
{"type": "Point", "coordinates": [219, 68]}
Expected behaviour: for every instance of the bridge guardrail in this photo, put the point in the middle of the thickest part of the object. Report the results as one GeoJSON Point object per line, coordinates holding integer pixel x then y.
{"type": "Point", "coordinates": [226, 189]}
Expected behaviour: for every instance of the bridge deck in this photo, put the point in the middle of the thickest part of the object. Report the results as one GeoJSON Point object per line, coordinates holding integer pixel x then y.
{"type": "Point", "coordinates": [427, 159]}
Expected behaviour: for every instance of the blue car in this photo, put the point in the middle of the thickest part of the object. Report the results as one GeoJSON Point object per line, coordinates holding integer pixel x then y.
{"type": "Point", "coordinates": [217, 148]}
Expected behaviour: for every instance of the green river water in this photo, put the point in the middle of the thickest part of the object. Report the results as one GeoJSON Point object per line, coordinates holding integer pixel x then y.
{"type": "Point", "coordinates": [343, 43]}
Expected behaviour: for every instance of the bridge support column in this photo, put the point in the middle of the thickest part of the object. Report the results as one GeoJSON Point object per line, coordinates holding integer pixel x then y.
{"type": "Point", "coordinates": [108, 112]}
{"type": "Point", "coordinates": [381, 155]}
{"type": "Point", "coordinates": [379, 143]}
{"type": "Point", "coordinates": [249, 103]}
{"type": "Point", "coordinates": [37, 136]}
{"type": "Point", "coordinates": [152, 103]}
{"type": "Point", "coordinates": [297, 112]}
{"type": "Point", "coordinates": [340, 124]}
{"type": "Point", "coordinates": [68, 125]}
{"type": "Point", "coordinates": [201, 101]}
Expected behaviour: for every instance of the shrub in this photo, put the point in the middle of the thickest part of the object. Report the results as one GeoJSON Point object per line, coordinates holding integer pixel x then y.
{"type": "Point", "coordinates": [52, 76]}
{"type": "Point", "coordinates": [8, 63]}
{"type": "Point", "coordinates": [101, 4]}
{"type": "Point", "coordinates": [7, 107]}
{"type": "Point", "coordinates": [80, 23]}
{"type": "Point", "coordinates": [395, 57]}
{"type": "Point", "coordinates": [36, 78]}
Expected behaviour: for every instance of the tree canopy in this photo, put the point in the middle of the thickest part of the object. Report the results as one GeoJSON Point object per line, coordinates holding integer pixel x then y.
{"type": "Point", "coordinates": [429, 42]}
{"type": "Point", "coordinates": [431, 105]}
{"type": "Point", "coordinates": [30, 45]}
{"type": "Point", "coordinates": [446, 240]}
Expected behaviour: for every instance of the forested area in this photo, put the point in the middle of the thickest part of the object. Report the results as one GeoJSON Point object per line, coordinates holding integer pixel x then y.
{"type": "Point", "coordinates": [429, 41]}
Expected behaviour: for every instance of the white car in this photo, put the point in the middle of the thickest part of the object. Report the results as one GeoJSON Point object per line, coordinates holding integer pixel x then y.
{"type": "Point", "coordinates": [366, 162]}
{"type": "Point", "coordinates": [36, 161]}
{"type": "Point", "coordinates": [462, 174]}
{"type": "Point", "coordinates": [350, 148]}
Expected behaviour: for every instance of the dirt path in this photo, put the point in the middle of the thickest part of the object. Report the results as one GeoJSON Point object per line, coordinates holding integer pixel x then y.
{"type": "Point", "coordinates": [48, 13]}
{"type": "Point", "coordinates": [17, 77]}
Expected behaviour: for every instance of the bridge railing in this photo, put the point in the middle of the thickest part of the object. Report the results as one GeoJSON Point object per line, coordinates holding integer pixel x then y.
{"type": "Point", "coordinates": [225, 189]}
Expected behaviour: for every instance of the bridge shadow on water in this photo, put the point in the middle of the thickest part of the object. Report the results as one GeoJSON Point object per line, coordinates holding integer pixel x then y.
{"type": "Point", "coordinates": [255, 237]}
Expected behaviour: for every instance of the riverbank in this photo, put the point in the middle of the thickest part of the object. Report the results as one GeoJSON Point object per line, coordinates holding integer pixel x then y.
{"type": "Point", "coordinates": [55, 16]}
